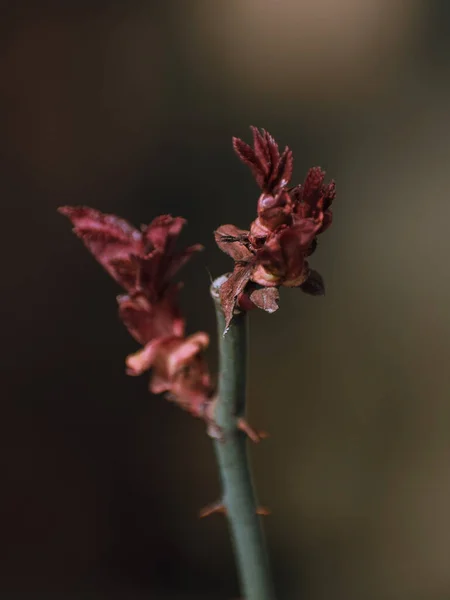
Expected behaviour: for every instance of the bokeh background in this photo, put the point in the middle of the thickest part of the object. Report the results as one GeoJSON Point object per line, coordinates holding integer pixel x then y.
{"type": "Point", "coordinates": [130, 107]}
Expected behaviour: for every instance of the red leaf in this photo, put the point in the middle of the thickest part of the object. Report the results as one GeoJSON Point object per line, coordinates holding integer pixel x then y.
{"type": "Point", "coordinates": [234, 242]}
{"type": "Point", "coordinates": [163, 262]}
{"type": "Point", "coordinates": [143, 263]}
{"type": "Point", "coordinates": [272, 150]}
{"type": "Point", "coordinates": [143, 359]}
{"type": "Point", "coordinates": [314, 285]}
{"type": "Point", "coordinates": [231, 288]}
{"type": "Point", "coordinates": [146, 321]}
{"type": "Point", "coordinates": [271, 171]}
{"type": "Point", "coordinates": [301, 233]}
{"type": "Point", "coordinates": [282, 259]}
{"type": "Point", "coordinates": [266, 298]}
{"type": "Point", "coordinates": [312, 187]}
{"type": "Point", "coordinates": [145, 260]}
{"type": "Point", "coordinates": [247, 156]}
{"type": "Point", "coordinates": [163, 231]}
{"type": "Point", "coordinates": [329, 194]}
{"type": "Point", "coordinates": [110, 239]}
{"type": "Point", "coordinates": [283, 172]}
{"type": "Point", "coordinates": [261, 150]}
{"type": "Point", "coordinates": [271, 256]}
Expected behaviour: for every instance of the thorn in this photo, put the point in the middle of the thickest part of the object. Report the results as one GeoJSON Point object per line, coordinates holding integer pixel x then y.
{"type": "Point", "coordinates": [219, 508]}
{"type": "Point", "coordinates": [211, 509]}
{"type": "Point", "coordinates": [263, 511]}
{"type": "Point", "coordinates": [255, 435]}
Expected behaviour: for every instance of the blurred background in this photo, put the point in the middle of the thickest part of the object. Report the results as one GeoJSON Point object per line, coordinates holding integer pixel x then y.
{"type": "Point", "coordinates": [130, 108]}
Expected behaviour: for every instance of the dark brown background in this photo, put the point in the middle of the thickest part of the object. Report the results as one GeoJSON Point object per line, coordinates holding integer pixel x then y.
{"type": "Point", "coordinates": [130, 107]}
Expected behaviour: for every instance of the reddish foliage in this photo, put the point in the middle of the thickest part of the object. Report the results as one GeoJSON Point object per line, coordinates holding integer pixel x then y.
{"type": "Point", "coordinates": [144, 263]}
{"type": "Point", "coordinates": [274, 251]}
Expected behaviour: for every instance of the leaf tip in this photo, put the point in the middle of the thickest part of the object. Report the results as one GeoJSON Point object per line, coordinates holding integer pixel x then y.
{"type": "Point", "coordinates": [65, 210]}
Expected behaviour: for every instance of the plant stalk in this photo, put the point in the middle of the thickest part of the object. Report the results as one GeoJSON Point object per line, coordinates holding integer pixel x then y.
{"type": "Point", "coordinates": [239, 496]}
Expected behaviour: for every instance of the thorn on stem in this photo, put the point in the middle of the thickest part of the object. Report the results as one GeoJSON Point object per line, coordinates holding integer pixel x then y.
{"type": "Point", "coordinates": [263, 511]}
{"type": "Point", "coordinates": [254, 434]}
{"type": "Point", "coordinates": [215, 507]}
{"type": "Point", "coordinates": [219, 508]}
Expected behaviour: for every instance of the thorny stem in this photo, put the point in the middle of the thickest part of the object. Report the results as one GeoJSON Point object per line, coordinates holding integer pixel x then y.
{"type": "Point", "coordinates": [238, 491]}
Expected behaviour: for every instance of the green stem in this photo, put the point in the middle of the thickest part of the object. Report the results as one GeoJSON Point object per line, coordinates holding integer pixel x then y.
{"type": "Point", "coordinates": [238, 491]}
